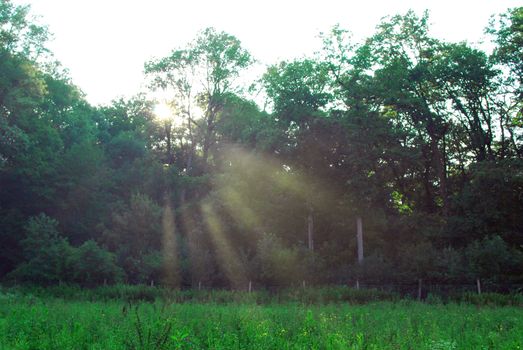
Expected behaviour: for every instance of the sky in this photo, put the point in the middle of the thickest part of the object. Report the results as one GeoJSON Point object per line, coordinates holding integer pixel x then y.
{"type": "Point", "coordinates": [105, 43]}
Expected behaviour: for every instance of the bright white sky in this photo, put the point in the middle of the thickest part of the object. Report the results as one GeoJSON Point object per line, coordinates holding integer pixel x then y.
{"type": "Point", "coordinates": [104, 43]}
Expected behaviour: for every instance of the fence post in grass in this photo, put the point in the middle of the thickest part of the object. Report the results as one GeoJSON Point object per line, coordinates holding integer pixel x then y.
{"type": "Point", "coordinates": [152, 283]}
{"type": "Point", "coordinates": [199, 285]}
{"type": "Point", "coordinates": [478, 284]}
{"type": "Point", "coordinates": [105, 281]}
{"type": "Point", "coordinates": [303, 284]}
{"type": "Point", "coordinates": [358, 284]}
{"type": "Point", "coordinates": [419, 289]}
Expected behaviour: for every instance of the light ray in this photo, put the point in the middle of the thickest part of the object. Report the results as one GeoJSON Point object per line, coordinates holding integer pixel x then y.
{"type": "Point", "coordinates": [200, 264]}
{"type": "Point", "coordinates": [237, 206]}
{"type": "Point", "coordinates": [171, 266]}
{"type": "Point", "coordinates": [228, 260]}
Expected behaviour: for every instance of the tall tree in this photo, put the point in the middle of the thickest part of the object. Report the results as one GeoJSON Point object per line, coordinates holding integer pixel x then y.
{"type": "Point", "coordinates": [201, 75]}
{"type": "Point", "coordinates": [507, 34]}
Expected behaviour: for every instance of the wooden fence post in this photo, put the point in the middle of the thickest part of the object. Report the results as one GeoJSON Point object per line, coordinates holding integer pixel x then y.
{"type": "Point", "coordinates": [358, 284]}
{"type": "Point", "coordinates": [419, 289]}
{"type": "Point", "coordinates": [250, 286]}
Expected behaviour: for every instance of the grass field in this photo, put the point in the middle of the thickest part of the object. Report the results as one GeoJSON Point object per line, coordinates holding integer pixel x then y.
{"type": "Point", "coordinates": [28, 322]}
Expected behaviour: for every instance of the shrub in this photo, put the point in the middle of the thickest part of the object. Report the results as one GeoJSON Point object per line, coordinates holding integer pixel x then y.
{"type": "Point", "coordinates": [45, 251]}
{"type": "Point", "coordinates": [92, 265]}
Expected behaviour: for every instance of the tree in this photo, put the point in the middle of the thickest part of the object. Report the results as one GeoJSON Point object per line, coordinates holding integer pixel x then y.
{"type": "Point", "coordinates": [299, 90]}
{"type": "Point", "coordinates": [45, 251]}
{"type": "Point", "coordinates": [491, 258]}
{"type": "Point", "coordinates": [278, 265]}
{"type": "Point", "coordinates": [201, 75]}
{"type": "Point", "coordinates": [507, 34]}
{"type": "Point", "coordinates": [134, 232]}
{"type": "Point", "coordinates": [19, 33]}
{"type": "Point", "coordinates": [404, 52]}
{"type": "Point", "coordinates": [91, 265]}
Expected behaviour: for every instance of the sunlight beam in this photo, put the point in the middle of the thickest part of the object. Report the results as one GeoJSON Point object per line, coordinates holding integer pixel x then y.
{"type": "Point", "coordinates": [171, 266]}
{"type": "Point", "coordinates": [228, 259]}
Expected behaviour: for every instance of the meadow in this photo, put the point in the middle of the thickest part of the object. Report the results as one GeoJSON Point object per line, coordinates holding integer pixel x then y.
{"type": "Point", "coordinates": [229, 320]}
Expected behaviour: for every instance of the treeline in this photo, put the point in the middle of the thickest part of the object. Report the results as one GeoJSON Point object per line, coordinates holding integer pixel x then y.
{"type": "Point", "coordinates": [420, 138]}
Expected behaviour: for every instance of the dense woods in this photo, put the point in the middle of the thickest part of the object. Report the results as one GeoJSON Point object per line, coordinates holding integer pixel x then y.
{"type": "Point", "coordinates": [420, 138]}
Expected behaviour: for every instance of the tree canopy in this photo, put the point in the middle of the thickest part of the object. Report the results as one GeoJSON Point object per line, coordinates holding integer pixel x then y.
{"type": "Point", "coordinates": [420, 138]}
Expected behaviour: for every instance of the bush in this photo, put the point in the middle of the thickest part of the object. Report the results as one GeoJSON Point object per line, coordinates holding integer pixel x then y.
{"type": "Point", "coordinates": [492, 258]}
{"type": "Point", "coordinates": [92, 265]}
{"type": "Point", "coordinates": [46, 253]}
{"type": "Point", "coordinates": [278, 264]}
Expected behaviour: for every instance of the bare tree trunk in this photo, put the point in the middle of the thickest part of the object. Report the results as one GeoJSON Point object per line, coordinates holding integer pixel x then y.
{"type": "Point", "coordinates": [211, 113]}
{"type": "Point", "coordinates": [514, 144]}
{"type": "Point", "coordinates": [439, 160]}
{"type": "Point", "coordinates": [359, 227]}
{"type": "Point", "coordinates": [478, 285]}
{"type": "Point", "coordinates": [188, 166]}
{"type": "Point", "coordinates": [310, 229]}
{"type": "Point", "coordinates": [502, 129]}
{"type": "Point", "coordinates": [168, 126]}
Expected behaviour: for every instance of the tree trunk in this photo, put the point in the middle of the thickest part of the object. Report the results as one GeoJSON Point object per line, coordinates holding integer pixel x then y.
{"type": "Point", "coordinates": [310, 229]}
{"type": "Point", "coordinates": [440, 164]}
{"type": "Point", "coordinates": [168, 126]}
{"type": "Point", "coordinates": [359, 228]}
{"type": "Point", "coordinates": [211, 113]}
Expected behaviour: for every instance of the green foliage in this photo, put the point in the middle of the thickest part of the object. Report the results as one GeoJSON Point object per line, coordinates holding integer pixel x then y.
{"type": "Point", "coordinates": [201, 76]}
{"type": "Point", "coordinates": [92, 265]}
{"type": "Point", "coordinates": [19, 33]}
{"type": "Point", "coordinates": [223, 55]}
{"type": "Point", "coordinates": [419, 137]}
{"type": "Point", "coordinates": [507, 33]}
{"type": "Point", "coordinates": [279, 265]}
{"type": "Point", "coordinates": [241, 122]}
{"type": "Point", "coordinates": [490, 203]}
{"type": "Point", "coordinates": [491, 258]}
{"type": "Point", "coordinates": [136, 227]}
{"type": "Point", "coordinates": [125, 147]}
{"type": "Point", "coordinates": [298, 88]}
{"type": "Point", "coordinates": [45, 251]}
{"type": "Point", "coordinates": [12, 141]}
{"type": "Point", "coordinates": [51, 324]}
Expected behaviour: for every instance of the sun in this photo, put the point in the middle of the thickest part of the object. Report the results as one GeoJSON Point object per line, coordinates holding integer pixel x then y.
{"type": "Point", "coordinates": [163, 111]}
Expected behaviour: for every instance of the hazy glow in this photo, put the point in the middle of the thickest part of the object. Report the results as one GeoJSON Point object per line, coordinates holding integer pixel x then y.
{"type": "Point", "coordinates": [248, 178]}
{"type": "Point", "coordinates": [163, 111]}
{"type": "Point", "coordinates": [169, 247]}
{"type": "Point", "coordinates": [199, 261]}
{"type": "Point", "coordinates": [236, 204]}
{"type": "Point", "coordinates": [166, 113]}
{"type": "Point", "coordinates": [228, 259]}
{"type": "Point", "coordinates": [104, 44]}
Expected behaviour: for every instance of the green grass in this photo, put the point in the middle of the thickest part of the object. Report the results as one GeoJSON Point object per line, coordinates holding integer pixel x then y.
{"type": "Point", "coordinates": [134, 293]}
{"type": "Point", "coordinates": [309, 295]}
{"type": "Point", "coordinates": [28, 322]}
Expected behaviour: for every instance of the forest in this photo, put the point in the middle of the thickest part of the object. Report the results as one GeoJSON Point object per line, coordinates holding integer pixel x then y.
{"type": "Point", "coordinates": [263, 180]}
